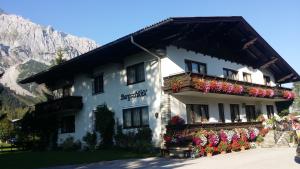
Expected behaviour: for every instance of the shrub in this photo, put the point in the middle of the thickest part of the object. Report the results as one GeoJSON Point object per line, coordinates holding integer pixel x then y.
{"type": "Point", "coordinates": [105, 123]}
{"type": "Point", "coordinates": [283, 113]}
{"type": "Point", "coordinates": [235, 146]}
{"type": "Point", "coordinates": [91, 140]}
{"type": "Point", "coordinates": [209, 149]}
{"type": "Point", "coordinates": [140, 141]}
{"type": "Point", "coordinates": [69, 144]}
{"type": "Point", "coordinates": [223, 146]}
{"type": "Point", "coordinates": [259, 139]}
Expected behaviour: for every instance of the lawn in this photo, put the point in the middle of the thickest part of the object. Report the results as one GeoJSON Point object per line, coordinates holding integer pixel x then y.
{"type": "Point", "coordinates": [30, 160]}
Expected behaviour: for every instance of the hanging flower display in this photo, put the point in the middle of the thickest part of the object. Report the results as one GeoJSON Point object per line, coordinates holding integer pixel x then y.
{"type": "Point", "coordinates": [219, 86]}
{"type": "Point", "coordinates": [230, 134]}
{"type": "Point", "coordinates": [227, 87]}
{"type": "Point", "coordinates": [213, 138]}
{"type": "Point", "coordinates": [238, 89]}
{"type": "Point", "coordinates": [252, 91]}
{"type": "Point", "coordinates": [262, 92]}
{"type": "Point", "coordinates": [269, 93]}
{"type": "Point", "coordinates": [202, 85]}
{"type": "Point", "coordinates": [213, 85]}
{"type": "Point", "coordinates": [288, 95]}
{"type": "Point", "coordinates": [176, 84]}
{"type": "Point", "coordinates": [223, 136]}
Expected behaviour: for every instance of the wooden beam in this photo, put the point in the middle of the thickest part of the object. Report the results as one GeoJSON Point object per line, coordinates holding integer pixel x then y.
{"type": "Point", "coordinates": [267, 64]}
{"type": "Point", "coordinates": [285, 77]}
{"type": "Point", "coordinates": [249, 43]}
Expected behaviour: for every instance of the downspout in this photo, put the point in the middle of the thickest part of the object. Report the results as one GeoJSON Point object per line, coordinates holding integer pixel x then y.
{"type": "Point", "coordinates": [151, 53]}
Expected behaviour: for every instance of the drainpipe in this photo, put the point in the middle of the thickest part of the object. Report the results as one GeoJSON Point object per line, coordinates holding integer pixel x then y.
{"type": "Point", "coordinates": [151, 53]}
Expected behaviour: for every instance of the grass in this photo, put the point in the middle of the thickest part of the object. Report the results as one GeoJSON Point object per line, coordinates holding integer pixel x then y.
{"type": "Point", "coordinates": [31, 160]}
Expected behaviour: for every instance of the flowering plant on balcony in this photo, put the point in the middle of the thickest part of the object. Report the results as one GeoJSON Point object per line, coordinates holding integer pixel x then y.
{"type": "Point", "coordinates": [288, 95]}
{"type": "Point", "coordinates": [177, 120]}
{"type": "Point", "coordinates": [269, 93]}
{"type": "Point", "coordinates": [262, 92]}
{"type": "Point", "coordinates": [213, 138]}
{"type": "Point", "coordinates": [238, 89]}
{"type": "Point", "coordinates": [227, 87]}
{"type": "Point", "coordinates": [235, 137]}
{"type": "Point", "coordinates": [235, 146]}
{"type": "Point", "coordinates": [223, 136]}
{"type": "Point", "coordinates": [209, 149]}
{"type": "Point", "coordinates": [176, 84]}
{"type": "Point", "coordinates": [252, 91]}
{"type": "Point", "coordinates": [253, 133]}
{"type": "Point", "coordinates": [201, 85]}
{"type": "Point", "coordinates": [223, 146]}
{"type": "Point", "coordinates": [230, 134]}
{"type": "Point", "coordinates": [214, 86]}
{"type": "Point", "coordinates": [202, 136]}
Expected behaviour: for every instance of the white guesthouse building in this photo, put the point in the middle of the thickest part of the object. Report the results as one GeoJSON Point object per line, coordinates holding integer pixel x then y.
{"type": "Point", "coordinates": [136, 74]}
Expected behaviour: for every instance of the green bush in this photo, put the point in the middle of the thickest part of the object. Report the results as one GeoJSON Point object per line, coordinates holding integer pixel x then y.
{"type": "Point", "coordinates": [70, 145]}
{"type": "Point", "coordinates": [139, 141]}
{"type": "Point", "coordinates": [91, 140]}
{"type": "Point", "coordinates": [105, 123]}
{"type": "Point", "coordinates": [259, 138]}
{"type": "Point", "coordinates": [283, 113]}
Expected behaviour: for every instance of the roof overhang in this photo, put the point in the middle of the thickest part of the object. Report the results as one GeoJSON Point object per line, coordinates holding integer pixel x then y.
{"type": "Point", "coordinates": [229, 38]}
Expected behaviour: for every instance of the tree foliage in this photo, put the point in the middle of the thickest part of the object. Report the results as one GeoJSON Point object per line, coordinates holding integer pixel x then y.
{"type": "Point", "coordinates": [59, 57]}
{"type": "Point", "coordinates": [105, 123]}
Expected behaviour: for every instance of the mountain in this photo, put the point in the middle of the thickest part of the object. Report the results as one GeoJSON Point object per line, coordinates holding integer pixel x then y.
{"type": "Point", "coordinates": [27, 48]}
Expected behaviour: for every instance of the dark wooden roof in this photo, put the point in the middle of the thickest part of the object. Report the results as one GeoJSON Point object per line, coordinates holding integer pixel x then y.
{"type": "Point", "coordinates": [229, 38]}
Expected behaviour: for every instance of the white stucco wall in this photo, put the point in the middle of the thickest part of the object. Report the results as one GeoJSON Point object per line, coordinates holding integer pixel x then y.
{"type": "Point", "coordinates": [115, 84]}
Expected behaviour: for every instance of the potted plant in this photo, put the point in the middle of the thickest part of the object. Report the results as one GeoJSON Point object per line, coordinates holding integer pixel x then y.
{"type": "Point", "coordinates": [235, 146]}
{"type": "Point", "coordinates": [259, 139]}
{"type": "Point", "coordinates": [242, 143]}
{"type": "Point", "coordinates": [222, 147]}
{"type": "Point", "coordinates": [209, 149]}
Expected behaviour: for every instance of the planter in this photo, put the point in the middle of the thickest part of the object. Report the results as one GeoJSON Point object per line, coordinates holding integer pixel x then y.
{"type": "Point", "coordinates": [209, 154]}
{"type": "Point", "coordinates": [223, 152]}
{"type": "Point", "coordinates": [242, 148]}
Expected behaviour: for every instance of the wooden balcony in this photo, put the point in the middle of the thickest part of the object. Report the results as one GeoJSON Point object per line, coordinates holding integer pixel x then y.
{"type": "Point", "coordinates": [69, 103]}
{"type": "Point", "coordinates": [185, 81]}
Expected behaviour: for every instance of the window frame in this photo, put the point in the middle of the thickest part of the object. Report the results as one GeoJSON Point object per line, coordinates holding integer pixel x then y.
{"type": "Point", "coordinates": [251, 117]}
{"type": "Point", "coordinates": [235, 113]}
{"type": "Point", "coordinates": [221, 112]}
{"type": "Point", "coordinates": [67, 130]}
{"type": "Point", "coordinates": [132, 118]}
{"type": "Point", "coordinates": [188, 66]}
{"type": "Point", "coordinates": [135, 67]}
{"type": "Point", "coordinates": [247, 74]}
{"type": "Point", "coordinates": [270, 114]}
{"type": "Point", "coordinates": [94, 92]}
{"type": "Point", "coordinates": [227, 70]}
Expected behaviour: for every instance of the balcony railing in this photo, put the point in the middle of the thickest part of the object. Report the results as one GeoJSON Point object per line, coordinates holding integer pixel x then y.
{"type": "Point", "coordinates": [69, 103]}
{"type": "Point", "coordinates": [187, 82]}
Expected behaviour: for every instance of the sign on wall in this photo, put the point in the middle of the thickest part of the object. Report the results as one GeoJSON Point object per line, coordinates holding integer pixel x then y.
{"type": "Point", "coordinates": [136, 94]}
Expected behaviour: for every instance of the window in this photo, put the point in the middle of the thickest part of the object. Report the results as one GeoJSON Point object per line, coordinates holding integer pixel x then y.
{"type": "Point", "coordinates": [251, 114]}
{"type": "Point", "coordinates": [235, 113]}
{"type": "Point", "coordinates": [98, 84]}
{"type": "Point", "coordinates": [195, 67]}
{"type": "Point", "coordinates": [231, 74]}
{"type": "Point", "coordinates": [270, 111]}
{"type": "Point", "coordinates": [247, 77]}
{"type": "Point", "coordinates": [66, 91]}
{"type": "Point", "coordinates": [68, 124]}
{"type": "Point", "coordinates": [62, 92]}
{"type": "Point", "coordinates": [267, 80]}
{"type": "Point", "coordinates": [199, 112]}
{"type": "Point", "coordinates": [135, 117]}
{"type": "Point", "coordinates": [221, 113]}
{"type": "Point", "coordinates": [135, 73]}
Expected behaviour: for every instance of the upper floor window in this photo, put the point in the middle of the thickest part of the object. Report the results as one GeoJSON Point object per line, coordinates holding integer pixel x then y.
{"type": "Point", "coordinates": [267, 80]}
{"type": "Point", "coordinates": [235, 113]}
{"type": "Point", "coordinates": [62, 92]}
{"type": "Point", "coordinates": [136, 117]}
{"type": "Point", "coordinates": [195, 67]}
{"type": "Point", "coordinates": [135, 73]}
{"type": "Point", "coordinates": [247, 77]}
{"type": "Point", "coordinates": [98, 84]}
{"type": "Point", "coordinates": [231, 74]}
{"type": "Point", "coordinates": [270, 111]}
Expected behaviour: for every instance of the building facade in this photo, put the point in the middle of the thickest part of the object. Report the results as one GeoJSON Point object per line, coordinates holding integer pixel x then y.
{"type": "Point", "coordinates": [135, 77]}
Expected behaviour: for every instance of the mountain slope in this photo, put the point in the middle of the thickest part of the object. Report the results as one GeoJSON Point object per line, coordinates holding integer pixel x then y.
{"type": "Point", "coordinates": [27, 48]}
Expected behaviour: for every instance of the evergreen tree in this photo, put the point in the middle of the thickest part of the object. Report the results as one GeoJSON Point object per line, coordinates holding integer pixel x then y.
{"type": "Point", "coordinates": [59, 57]}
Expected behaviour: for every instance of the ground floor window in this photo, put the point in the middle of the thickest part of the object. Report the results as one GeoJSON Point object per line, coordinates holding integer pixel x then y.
{"type": "Point", "coordinates": [251, 114]}
{"type": "Point", "coordinates": [221, 113]}
{"type": "Point", "coordinates": [198, 112]}
{"type": "Point", "coordinates": [68, 124]}
{"type": "Point", "coordinates": [136, 117]}
{"type": "Point", "coordinates": [235, 113]}
{"type": "Point", "coordinates": [270, 111]}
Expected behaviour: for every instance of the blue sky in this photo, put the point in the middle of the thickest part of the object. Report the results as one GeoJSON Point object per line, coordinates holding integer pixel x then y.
{"type": "Point", "coordinates": [277, 21]}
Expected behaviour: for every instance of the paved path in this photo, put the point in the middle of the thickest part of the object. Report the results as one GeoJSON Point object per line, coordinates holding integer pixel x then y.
{"type": "Point", "coordinates": [261, 158]}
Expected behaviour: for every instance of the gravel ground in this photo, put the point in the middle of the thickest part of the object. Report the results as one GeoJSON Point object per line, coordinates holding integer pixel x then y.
{"type": "Point", "coordinates": [260, 158]}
